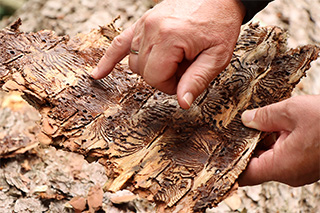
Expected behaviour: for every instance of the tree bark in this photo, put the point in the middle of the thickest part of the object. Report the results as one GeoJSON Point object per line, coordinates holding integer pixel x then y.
{"type": "Point", "coordinates": [180, 159]}
{"type": "Point", "coordinates": [300, 19]}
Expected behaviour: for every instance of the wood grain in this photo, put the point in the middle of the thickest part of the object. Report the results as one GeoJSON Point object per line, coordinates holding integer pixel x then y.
{"type": "Point", "coordinates": [184, 160]}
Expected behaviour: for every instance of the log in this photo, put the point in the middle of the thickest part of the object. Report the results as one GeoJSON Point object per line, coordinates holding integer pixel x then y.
{"type": "Point", "coordinates": [184, 160]}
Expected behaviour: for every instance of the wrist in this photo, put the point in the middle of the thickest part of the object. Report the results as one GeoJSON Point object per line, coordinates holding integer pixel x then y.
{"type": "Point", "coordinates": [235, 7]}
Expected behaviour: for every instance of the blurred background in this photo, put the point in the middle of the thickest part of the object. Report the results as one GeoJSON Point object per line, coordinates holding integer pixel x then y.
{"type": "Point", "coordinates": [8, 7]}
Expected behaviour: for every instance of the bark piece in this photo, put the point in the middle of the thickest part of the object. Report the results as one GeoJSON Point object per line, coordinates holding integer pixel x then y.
{"type": "Point", "coordinates": [78, 204]}
{"type": "Point", "coordinates": [184, 160]}
{"type": "Point", "coordinates": [95, 197]}
{"type": "Point", "coordinates": [17, 126]}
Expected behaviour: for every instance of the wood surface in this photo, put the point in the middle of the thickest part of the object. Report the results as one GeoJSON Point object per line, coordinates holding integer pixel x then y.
{"type": "Point", "coordinates": [184, 160]}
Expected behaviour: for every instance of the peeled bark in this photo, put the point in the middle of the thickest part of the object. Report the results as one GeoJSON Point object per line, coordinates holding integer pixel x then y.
{"type": "Point", "coordinates": [184, 160]}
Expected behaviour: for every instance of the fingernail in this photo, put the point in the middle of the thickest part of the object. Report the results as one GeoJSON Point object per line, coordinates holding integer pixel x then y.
{"type": "Point", "coordinates": [94, 72]}
{"type": "Point", "coordinates": [247, 118]}
{"type": "Point", "coordinates": [188, 98]}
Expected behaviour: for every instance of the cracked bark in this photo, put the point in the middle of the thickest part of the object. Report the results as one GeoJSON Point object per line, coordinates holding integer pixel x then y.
{"type": "Point", "coordinates": [182, 160]}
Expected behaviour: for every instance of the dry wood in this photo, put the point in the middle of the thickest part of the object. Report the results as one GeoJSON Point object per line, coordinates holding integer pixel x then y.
{"type": "Point", "coordinates": [18, 129]}
{"type": "Point", "coordinates": [184, 160]}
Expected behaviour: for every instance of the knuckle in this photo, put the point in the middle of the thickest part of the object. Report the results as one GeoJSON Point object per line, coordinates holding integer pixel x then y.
{"type": "Point", "coordinates": [223, 54]}
{"type": "Point", "coordinates": [118, 41]}
{"type": "Point", "coordinates": [150, 21]}
{"type": "Point", "coordinates": [290, 108]}
{"type": "Point", "coordinates": [152, 80]}
{"type": "Point", "coordinates": [201, 81]}
{"type": "Point", "coordinates": [282, 113]}
{"type": "Point", "coordinates": [263, 115]}
{"type": "Point", "coordinates": [149, 79]}
{"type": "Point", "coordinates": [165, 85]}
{"type": "Point", "coordinates": [166, 29]}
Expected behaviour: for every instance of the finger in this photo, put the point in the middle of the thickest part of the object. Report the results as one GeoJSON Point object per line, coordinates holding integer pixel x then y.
{"type": "Point", "coordinates": [198, 76]}
{"type": "Point", "coordinates": [259, 170]}
{"type": "Point", "coordinates": [135, 49]}
{"type": "Point", "coordinates": [277, 163]}
{"type": "Point", "coordinates": [133, 63]}
{"type": "Point", "coordinates": [118, 49]}
{"type": "Point", "coordinates": [161, 66]}
{"type": "Point", "coordinates": [274, 117]}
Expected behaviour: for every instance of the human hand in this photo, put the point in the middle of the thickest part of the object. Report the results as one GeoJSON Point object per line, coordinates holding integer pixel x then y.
{"type": "Point", "coordinates": [182, 45]}
{"type": "Point", "coordinates": [294, 158]}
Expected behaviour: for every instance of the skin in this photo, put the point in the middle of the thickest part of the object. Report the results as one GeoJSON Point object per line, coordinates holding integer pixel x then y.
{"type": "Point", "coordinates": [183, 45]}
{"type": "Point", "coordinates": [293, 157]}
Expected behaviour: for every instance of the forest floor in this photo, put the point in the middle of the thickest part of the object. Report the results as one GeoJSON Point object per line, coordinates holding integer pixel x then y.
{"type": "Point", "coordinates": [39, 178]}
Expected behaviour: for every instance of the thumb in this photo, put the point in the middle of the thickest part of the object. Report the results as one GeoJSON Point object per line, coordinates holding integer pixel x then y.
{"type": "Point", "coordinates": [271, 118]}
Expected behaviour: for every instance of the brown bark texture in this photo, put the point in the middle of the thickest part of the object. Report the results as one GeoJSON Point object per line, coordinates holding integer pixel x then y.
{"type": "Point", "coordinates": [183, 160]}
{"type": "Point", "coordinates": [45, 179]}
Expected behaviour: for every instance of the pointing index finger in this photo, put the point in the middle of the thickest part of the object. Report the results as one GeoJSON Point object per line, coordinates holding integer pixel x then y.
{"type": "Point", "coordinates": [118, 49]}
